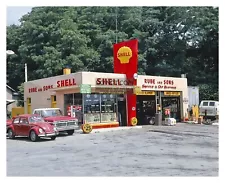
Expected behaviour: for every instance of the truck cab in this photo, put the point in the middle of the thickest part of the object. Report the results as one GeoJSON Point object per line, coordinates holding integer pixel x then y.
{"type": "Point", "coordinates": [209, 108]}
{"type": "Point", "coordinates": [55, 117]}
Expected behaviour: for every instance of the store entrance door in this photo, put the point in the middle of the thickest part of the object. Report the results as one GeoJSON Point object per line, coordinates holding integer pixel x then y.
{"type": "Point", "coordinates": [172, 103]}
{"type": "Point", "coordinates": [146, 109]}
{"type": "Point", "coordinates": [122, 111]}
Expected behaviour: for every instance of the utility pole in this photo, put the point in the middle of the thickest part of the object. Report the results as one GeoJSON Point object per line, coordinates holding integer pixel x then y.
{"type": "Point", "coordinates": [25, 65]}
{"type": "Point", "coordinates": [116, 24]}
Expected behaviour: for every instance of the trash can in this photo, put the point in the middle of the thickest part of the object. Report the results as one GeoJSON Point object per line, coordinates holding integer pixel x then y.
{"type": "Point", "coordinates": [158, 119]}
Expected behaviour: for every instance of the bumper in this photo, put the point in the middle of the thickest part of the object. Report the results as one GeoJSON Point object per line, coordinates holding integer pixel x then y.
{"type": "Point", "coordinates": [208, 115]}
{"type": "Point", "coordinates": [48, 134]}
{"type": "Point", "coordinates": [60, 129]}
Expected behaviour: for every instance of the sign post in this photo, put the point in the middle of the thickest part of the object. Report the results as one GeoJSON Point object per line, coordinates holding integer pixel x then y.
{"type": "Point", "coordinates": [125, 62]}
{"type": "Point", "coordinates": [85, 88]}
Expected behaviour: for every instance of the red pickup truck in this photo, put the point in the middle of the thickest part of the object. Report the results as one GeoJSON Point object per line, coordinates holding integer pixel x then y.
{"type": "Point", "coordinates": [54, 116]}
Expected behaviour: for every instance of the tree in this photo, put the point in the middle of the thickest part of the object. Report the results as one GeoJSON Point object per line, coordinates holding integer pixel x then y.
{"type": "Point", "coordinates": [172, 41]}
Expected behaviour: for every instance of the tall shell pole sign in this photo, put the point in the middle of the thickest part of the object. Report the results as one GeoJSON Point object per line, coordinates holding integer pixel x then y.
{"type": "Point", "coordinates": [125, 56]}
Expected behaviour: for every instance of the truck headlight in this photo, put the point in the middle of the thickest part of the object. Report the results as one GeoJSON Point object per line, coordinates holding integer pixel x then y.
{"type": "Point", "coordinates": [40, 130]}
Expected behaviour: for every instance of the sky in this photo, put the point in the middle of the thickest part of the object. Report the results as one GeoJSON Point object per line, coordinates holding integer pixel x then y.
{"type": "Point", "coordinates": [14, 13]}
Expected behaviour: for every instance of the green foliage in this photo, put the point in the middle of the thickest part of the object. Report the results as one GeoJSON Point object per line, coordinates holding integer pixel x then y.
{"type": "Point", "coordinates": [208, 92]}
{"type": "Point", "coordinates": [172, 41]}
{"type": "Point", "coordinates": [20, 92]}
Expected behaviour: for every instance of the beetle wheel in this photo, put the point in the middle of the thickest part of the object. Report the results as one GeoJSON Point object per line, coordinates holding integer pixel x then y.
{"type": "Point", "coordinates": [11, 134]}
{"type": "Point", "coordinates": [33, 136]}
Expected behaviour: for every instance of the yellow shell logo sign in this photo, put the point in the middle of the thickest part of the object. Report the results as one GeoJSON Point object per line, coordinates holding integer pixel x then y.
{"type": "Point", "coordinates": [124, 54]}
{"type": "Point", "coordinates": [87, 128]}
{"type": "Point", "coordinates": [134, 121]}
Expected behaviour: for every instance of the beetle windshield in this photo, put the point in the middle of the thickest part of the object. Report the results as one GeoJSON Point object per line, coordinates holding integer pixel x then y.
{"type": "Point", "coordinates": [34, 119]}
{"type": "Point", "coordinates": [53, 112]}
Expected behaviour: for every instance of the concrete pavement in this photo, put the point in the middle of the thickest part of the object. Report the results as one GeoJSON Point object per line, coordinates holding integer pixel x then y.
{"type": "Point", "coordinates": [181, 150]}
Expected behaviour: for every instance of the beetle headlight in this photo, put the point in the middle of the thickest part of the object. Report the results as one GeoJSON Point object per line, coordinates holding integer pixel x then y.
{"type": "Point", "coordinates": [55, 129]}
{"type": "Point", "coordinates": [40, 130]}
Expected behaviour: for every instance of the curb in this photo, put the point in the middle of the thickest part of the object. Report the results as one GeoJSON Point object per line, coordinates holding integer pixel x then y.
{"type": "Point", "coordinates": [111, 129]}
{"type": "Point", "coordinates": [189, 122]}
{"type": "Point", "coordinates": [195, 123]}
{"type": "Point", "coordinates": [217, 124]}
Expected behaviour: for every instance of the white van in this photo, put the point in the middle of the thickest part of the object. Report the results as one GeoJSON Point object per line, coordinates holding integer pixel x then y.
{"type": "Point", "coordinates": [211, 107]}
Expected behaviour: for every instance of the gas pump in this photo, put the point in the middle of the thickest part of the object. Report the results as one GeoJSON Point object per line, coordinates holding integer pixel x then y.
{"type": "Point", "coordinates": [72, 110]}
{"type": "Point", "coordinates": [167, 113]}
{"type": "Point", "coordinates": [75, 111]}
{"type": "Point", "coordinates": [69, 112]}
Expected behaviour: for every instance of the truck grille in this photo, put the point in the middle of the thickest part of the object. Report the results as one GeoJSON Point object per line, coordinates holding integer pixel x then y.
{"type": "Point", "coordinates": [71, 123]}
{"type": "Point", "coordinates": [66, 123]}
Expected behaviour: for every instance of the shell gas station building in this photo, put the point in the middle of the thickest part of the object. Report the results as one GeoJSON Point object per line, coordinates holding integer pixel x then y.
{"type": "Point", "coordinates": [110, 99]}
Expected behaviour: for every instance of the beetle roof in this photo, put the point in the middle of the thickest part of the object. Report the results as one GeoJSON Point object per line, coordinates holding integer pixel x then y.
{"type": "Point", "coordinates": [40, 109]}
{"type": "Point", "coordinates": [27, 115]}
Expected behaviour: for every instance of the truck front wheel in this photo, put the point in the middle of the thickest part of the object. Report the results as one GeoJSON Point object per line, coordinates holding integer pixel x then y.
{"type": "Point", "coordinates": [70, 132]}
{"type": "Point", "coordinates": [53, 137]}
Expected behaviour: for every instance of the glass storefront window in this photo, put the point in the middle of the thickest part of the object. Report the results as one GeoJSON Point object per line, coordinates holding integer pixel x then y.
{"type": "Point", "coordinates": [92, 108]}
{"type": "Point", "coordinates": [108, 103]}
{"type": "Point", "coordinates": [91, 103]}
{"type": "Point", "coordinates": [100, 108]}
{"type": "Point", "coordinates": [74, 100]}
{"type": "Point", "coordinates": [108, 108]}
{"type": "Point", "coordinates": [97, 108]}
{"type": "Point", "coordinates": [68, 101]}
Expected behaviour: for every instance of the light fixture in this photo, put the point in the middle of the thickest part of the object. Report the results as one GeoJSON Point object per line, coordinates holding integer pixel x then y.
{"type": "Point", "coordinates": [10, 52]}
{"type": "Point", "coordinates": [15, 94]}
{"type": "Point", "coordinates": [135, 75]}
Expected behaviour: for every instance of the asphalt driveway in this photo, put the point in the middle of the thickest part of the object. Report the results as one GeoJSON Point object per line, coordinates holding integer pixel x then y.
{"type": "Point", "coordinates": [183, 150]}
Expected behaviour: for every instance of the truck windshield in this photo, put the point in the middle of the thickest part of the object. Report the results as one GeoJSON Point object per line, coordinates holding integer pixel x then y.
{"type": "Point", "coordinates": [205, 104]}
{"type": "Point", "coordinates": [211, 103]}
{"type": "Point", "coordinates": [55, 112]}
{"type": "Point", "coordinates": [34, 119]}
